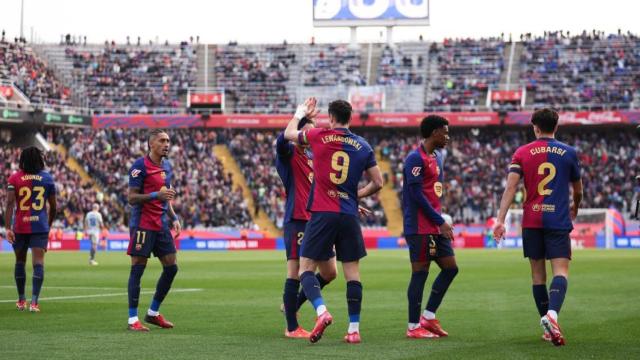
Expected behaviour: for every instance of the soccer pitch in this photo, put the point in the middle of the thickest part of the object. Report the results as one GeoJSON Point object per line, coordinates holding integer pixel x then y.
{"type": "Point", "coordinates": [226, 305]}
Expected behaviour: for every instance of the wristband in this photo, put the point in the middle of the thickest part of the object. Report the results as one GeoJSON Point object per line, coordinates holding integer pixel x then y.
{"type": "Point", "coordinates": [154, 195]}
{"type": "Point", "coordinates": [301, 111]}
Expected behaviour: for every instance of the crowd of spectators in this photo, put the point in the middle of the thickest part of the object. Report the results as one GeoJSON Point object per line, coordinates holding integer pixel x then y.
{"type": "Point", "coordinates": [398, 68]}
{"type": "Point", "coordinates": [589, 70]}
{"type": "Point", "coordinates": [206, 195]}
{"type": "Point", "coordinates": [138, 79]}
{"type": "Point", "coordinates": [466, 67]}
{"type": "Point", "coordinates": [19, 64]}
{"type": "Point", "coordinates": [255, 78]}
{"type": "Point", "coordinates": [255, 153]}
{"type": "Point", "coordinates": [74, 196]}
{"type": "Point", "coordinates": [330, 65]}
{"type": "Point", "coordinates": [476, 162]}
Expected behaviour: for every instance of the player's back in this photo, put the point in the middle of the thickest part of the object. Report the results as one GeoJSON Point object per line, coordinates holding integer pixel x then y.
{"type": "Point", "coordinates": [32, 192]}
{"type": "Point", "coordinates": [548, 167]}
{"type": "Point", "coordinates": [93, 221]}
{"type": "Point", "coordinates": [339, 160]}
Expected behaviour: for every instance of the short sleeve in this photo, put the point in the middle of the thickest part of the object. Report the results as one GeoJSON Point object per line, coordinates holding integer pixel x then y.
{"type": "Point", "coordinates": [516, 163]}
{"type": "Point", "coordinates": [284, 148]}
{"type": "Point", "coordinates": [414, 169]}
{"type": "Point", "coordinates": [51, 184]}
{"type": "Point", "coordinates": [371, 160]}
{"type": "Point", "coordinates": [307, 137]}
{"type": "Point", "coordinates": [136, 175]}
{"type": "Point", "coordinates": [11, 186]}
{"type": "Point", "coordinates": [575, 173]}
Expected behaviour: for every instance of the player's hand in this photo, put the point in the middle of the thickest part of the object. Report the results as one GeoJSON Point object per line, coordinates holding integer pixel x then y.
{"type": "Point", "coordinates": [11, 237]}
{"type": "Point", "coordinates": [177, 227]}
{"type": "Point", "coordinates": [446, 230]}
{"type": "Point", "coordinates": [166, 194]}
{"type": "Point", "coordinates": [364, 211]}
{"type": "Point", "coordinates": [307, 109]}
{"type": "Point", "coordinates": [498, 232]}
{"type": "Point", "coordinates": [573, 211]}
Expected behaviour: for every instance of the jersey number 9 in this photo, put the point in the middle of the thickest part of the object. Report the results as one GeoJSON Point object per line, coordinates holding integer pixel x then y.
{"type": "Point", "coordinates": [339, 163]}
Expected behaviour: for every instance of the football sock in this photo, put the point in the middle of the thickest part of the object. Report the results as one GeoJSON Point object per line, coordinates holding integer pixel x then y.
{"type": "Point", "coordinates": [133, 289]}
{"type": "Point", "coordinates": [541, 297]}
{"type": "Point", "coordinates": [20, 275]}
{"type": "Point", "coordinates": [38, 278]}
{"type": "Point", "coordinates": [311, 287]}
{"type": "Point", "coordinates": [439, 288]}
{"type": "Point", "coordinates": [162, 288]}
{"type": "Point", "coordinates": [302, 297]}
{"type": "Point", "coordinates": [354, 304]}
{"type": "Point", "coordinates": [290, 300]}
{"type": "Point", "coordinates": [92, 253]}
{"type": "Point", "coordinates": [557, 291]}
{"type": "Point", "coordinates": [429, 315]}
{"type": "Point", "coordinates": [413, 326]}
{"type": "Point", "coordinates": [414, 294]}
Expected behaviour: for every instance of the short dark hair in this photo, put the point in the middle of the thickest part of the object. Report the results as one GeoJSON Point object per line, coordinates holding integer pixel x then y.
{"type": "Point", "coordinates": [31, 160]}
{"type": "Point", "coordinates": [431, 123]}
{"type": "Point", "coordinates": [546, 119]}
{"type": "Point", "coordinates": [155, 132]}
{"type": "Point", "coordinates": [341, 110]}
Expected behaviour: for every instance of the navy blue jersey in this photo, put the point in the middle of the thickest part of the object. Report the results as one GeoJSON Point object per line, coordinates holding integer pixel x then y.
{"type": "Point", "coordinates": [295, 167]}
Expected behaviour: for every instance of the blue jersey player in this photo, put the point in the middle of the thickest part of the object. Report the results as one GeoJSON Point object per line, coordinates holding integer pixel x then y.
{"type": "Point", "coordinates": [295, 167]}
{"type": "Point", "coordinates": [549, 168]}
{"type": "Point", "coordinates": [339, 160]}
{"type": "Point", "coordinates": [28, 191]}
{"type": "Point", "coordinates": [150, 196]}
{"type": "Point", "coordinates": [426, 232]}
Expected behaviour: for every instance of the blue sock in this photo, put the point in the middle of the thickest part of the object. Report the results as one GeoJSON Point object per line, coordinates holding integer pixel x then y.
{"type": "Point", "coordinates": [290, 299]}
{"type": "Point", "coordinates": [38, 279]}
{"type": "Point", "coordinates": [414, 294]}
{"type": "Point", "coordinates": [354, 300]}
{"type": "Point", "coordinates": [133, 289]}
{"type": "Point", "coordinates": [302, 297]}
{"type": "Point", "coordinates": [541, 297]}
{"type": "Point", "coordinates": [20, 274]}
{"type": "Point", "coordinates": [163, 286]}
{"type": "Point", "coordinates": [311, 288]}
{"type": "Point", "coordinates": [439, 288]}
{"type": "Point", "coordinates": [557, 291]}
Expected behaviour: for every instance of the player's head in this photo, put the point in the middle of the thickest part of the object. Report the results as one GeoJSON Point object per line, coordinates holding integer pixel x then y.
{"type": "Point", "coordinates": [159, 142]}
{"type": "Point", "coordinates": [31, 160]}
{"type": "Point", "coordinates": [95, 207]}
{"type": "Point", "coordinates": [436, 128]}
{"type": "Point", "coordinates": [339, 113]}
{"type": "Point", "coordinates": [304, 125]}
{"type": "Point", "coordinates": [545, 121]}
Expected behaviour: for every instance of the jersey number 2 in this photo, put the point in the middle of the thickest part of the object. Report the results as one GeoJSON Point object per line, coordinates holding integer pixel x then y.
{"type": "Point", "coordinates": [547, 179]}
{"type": "Point", "coordinates": [25, 194]}
{"type": "Point", "coordinates": [339, 163]}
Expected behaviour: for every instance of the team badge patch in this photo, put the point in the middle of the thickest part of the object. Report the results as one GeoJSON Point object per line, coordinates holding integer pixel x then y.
{"type": "Point", "coordinates": [135, 172]}
{"type": "Point", "coordinates": [416, 171]}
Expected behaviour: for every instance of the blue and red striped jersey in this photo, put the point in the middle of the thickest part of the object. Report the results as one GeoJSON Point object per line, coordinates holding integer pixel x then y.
{"type": "Point", "coordinates": [148, 177]}
{"type": "Point", "coordinates": [339, 159]}
{"type": "Point", "coordinates": [427, 170]}
{"type": "Point", "coordinates": [548, 167]}
{"type": "Point", "coordinates": [32, 192]}
{"type": "Point", "coordinates": [295, 167]}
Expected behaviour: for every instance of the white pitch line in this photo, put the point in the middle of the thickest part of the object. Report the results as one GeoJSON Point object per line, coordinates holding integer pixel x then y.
{"type": "Point", "coordinates": [69, 287]}
{"type": "Point", "coordinates": [100, 295]}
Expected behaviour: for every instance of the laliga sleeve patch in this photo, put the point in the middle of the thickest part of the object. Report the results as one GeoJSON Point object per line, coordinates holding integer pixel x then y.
{"type": "Point", "coordinates": [416, 171]}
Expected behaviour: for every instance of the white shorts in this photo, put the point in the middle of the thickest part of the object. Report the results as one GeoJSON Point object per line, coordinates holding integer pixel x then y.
{"type": "Point", "coordinates": [94, 236]}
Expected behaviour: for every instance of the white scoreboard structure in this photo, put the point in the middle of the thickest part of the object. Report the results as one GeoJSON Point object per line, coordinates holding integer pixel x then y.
{"type": "Point", "coordinates": [356, 13]}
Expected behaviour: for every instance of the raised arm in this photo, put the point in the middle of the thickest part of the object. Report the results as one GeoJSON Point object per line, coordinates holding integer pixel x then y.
{"type": "Point", "coordinates": [307, 109]}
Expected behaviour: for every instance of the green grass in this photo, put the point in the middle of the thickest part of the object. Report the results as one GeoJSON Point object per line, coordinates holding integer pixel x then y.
{"type": "Point", "coordinates": [488, 310]}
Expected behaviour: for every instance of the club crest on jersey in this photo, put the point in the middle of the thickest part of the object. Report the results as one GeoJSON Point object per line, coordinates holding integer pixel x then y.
{"type": "Point", "coordinates": [437, 188]}
{"type": "Point", "coordinates": [415, 171]}
{"type": "Point", "coordinates": [332, 193]}
{"type": "Point", "coordinates": [135, 172]}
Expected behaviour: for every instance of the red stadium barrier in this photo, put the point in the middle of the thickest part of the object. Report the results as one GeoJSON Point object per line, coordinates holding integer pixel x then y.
{"type": "Point", "coordinates": [6, 92]}
{"type": "Point", "coordinates": [579, 117]}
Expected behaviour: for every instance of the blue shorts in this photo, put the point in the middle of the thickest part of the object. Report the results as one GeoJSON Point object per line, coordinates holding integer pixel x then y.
{"type": "Point", "coordinates": [26, 241]}
{"type": "Point", "coordinates": [144, 242]}
{"type": "Point", "coordinates": [423, 248]}
{"type": "Point", "coordinates": [328, 229]}
{"type": "Point", "coordinates": [546, 243]}
{"type": "Point", "coordinates": [293, 233]}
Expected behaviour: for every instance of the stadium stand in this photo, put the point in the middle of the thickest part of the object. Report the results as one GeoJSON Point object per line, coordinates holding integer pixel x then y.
{"type": "Point", "coordinates": [331, 64]}
{"type": "Point", "coordinates": [131, 77]}
{"type": "Point", "coordinates": [207, 198]}
{"type": "Point", "coordinates": [586, 71]}
{"type": "Point", "coordinates": [19, 64]}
